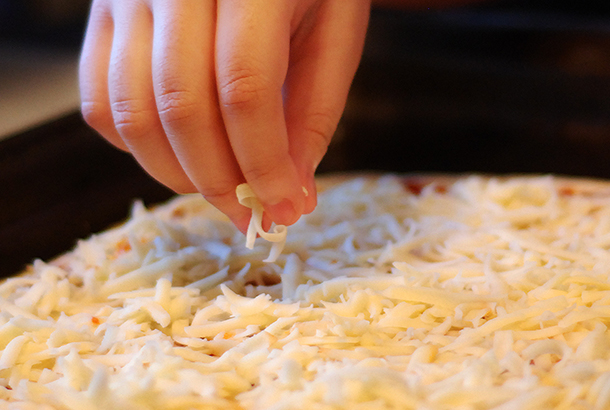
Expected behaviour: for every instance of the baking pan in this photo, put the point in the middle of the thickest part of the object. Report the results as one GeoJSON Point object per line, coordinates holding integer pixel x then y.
{"type": "Point", "coordinates": [60, 182]}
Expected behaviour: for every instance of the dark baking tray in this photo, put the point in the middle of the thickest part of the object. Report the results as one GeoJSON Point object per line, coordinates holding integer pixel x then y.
{"type": "Point", "coordinates": [60, 182]}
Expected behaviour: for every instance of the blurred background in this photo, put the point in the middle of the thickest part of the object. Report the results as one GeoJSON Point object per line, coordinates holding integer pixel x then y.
{"type": "Point", "coordinates": [502, 86]}
{"type": "Point", "coordinates": [39, 45]}
{"type": "Point", "coordinates": [496, 87]}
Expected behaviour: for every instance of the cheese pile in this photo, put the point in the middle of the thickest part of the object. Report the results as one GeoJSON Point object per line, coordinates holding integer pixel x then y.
{"type": "Point", "coordinates": [482, 294]}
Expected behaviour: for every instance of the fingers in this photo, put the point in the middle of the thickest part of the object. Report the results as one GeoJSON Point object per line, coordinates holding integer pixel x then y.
{"type": "Point", "coordinates": [199, 119]}
{"type": "Point", "coordinates": [186, 99]}
{"type": "Point", "coordinates": [322, 68]}
{"type": "Point", "coordinates": [132, 97]}
{"type": "Point", "coordinates": [93, 73]}
{"type": "Point", "coordinates": [251, 63]}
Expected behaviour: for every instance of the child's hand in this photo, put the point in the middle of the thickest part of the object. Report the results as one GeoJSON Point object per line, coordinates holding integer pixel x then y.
{"type": "Point", "coordinates": [209, 94]}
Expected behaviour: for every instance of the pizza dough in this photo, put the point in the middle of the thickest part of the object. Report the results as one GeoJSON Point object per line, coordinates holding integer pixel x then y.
{"type": "Point", "coordinates": [419, 292]}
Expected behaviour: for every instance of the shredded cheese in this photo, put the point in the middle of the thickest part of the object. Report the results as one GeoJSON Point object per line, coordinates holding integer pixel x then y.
{"type": "Point", "coordinates": [486, 294]}
{"type": "Point", "coordinates": [246, 197]}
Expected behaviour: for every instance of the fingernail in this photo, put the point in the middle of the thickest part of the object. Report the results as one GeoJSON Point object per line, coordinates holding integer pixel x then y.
{"type": "Point", "coordinates": [309, 186]}
{"type": "Point", "coordinates": [283, 213]}
{"type": "Point", "coordinates": [310, 199]}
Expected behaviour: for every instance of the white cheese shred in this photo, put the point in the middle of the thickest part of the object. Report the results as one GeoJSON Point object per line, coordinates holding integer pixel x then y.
{"type": "Point", "coordinates": [246, 197]}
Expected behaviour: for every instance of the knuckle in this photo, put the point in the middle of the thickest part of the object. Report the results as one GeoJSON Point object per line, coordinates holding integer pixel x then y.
{"type": "Point", "coordinates": [131, 117]}
{"type": "Point", "coordinates": [262, 171]}
{"type": "Point", "coordinates": [242, 89]}
{"type": "Point", "coordinates": [321, 127]}
{"type": "Point", "coordinates": [178, 107]}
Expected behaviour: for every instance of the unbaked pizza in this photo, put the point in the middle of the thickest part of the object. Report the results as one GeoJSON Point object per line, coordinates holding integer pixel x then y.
{"type": "Point", "coordinates": [416, 292]}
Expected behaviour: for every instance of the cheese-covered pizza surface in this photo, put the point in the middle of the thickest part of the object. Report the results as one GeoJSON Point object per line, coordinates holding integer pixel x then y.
{"type": "Point", "coordinates": [398, 292]}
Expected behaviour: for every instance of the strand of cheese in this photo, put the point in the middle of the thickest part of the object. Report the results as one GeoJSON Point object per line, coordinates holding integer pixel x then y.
{"type": "Point", "coordinates": [246, 197]}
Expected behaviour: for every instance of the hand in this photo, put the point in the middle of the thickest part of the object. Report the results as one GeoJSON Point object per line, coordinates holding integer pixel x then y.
{"type": "Point", "coordinates": [210, 94]}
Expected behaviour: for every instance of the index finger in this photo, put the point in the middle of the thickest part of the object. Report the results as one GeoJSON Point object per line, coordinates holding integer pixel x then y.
{"type": "Point", "coordinates": [252, 50]}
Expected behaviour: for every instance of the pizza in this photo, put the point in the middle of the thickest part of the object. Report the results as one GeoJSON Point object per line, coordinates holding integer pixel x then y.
{"type": "Point", "coordinates": [397, 292]}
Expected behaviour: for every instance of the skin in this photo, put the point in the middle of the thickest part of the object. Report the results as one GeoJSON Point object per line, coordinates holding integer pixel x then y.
{"type": "Point", "coordinates": [210, 94]}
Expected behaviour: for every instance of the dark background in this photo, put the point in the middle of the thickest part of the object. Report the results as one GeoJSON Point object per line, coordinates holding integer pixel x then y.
{"type": "Point", "coordinates": [498, 87]}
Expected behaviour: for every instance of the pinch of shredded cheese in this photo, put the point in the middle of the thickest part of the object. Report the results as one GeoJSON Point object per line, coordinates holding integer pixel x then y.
{"type": "Point", "coordinates": [492, 295]}
{"type": "Point", "coordinates": [246, 197]}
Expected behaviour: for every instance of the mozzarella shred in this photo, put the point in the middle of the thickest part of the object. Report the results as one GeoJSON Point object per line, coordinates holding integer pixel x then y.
{"type": "Point", "coordinates": [486, 294]}
{"type": "Point", "coordinates": [247, 198]}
